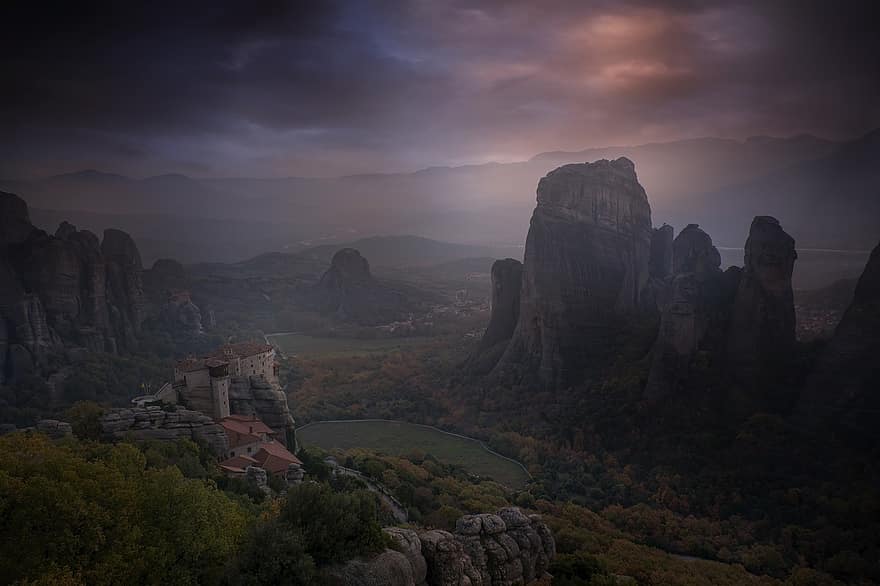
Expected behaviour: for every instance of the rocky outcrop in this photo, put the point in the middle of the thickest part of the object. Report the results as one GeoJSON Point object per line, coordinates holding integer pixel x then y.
{"type": "Point", "coordinates": [694, 315]}
{"type": "Point", "coordinates": [63, 290]}
{"type": "Point", "coordinates": [154, 423]}
{"type": "Point", "coordinates": [693, 252]}
{"type": "Point", "coordinates": [504, 549]}
{"type": "Point", "coordinates": [505, 300]}
{"type": "Point", "coordinates": [762, 329]}
{"type": "Point", "coordinates": [348, 292]}
{"type": "Point", "coordinates": [254, 395]}
{"type": "Point", "coordinates": [258, 479]}
{"type": "Point", "coordinates": [586, 265]}
{"type": "Point", "coordinates": [842, 390]}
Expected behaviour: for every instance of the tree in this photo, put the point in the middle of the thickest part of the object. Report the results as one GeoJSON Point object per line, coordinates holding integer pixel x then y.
{"type": "Point", "coordinates": [334, 526]}
{"type": "Point", "coordinates": [95, 513]}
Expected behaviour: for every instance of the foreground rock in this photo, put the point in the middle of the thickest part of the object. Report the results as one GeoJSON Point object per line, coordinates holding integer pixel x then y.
{"type": "Point", "coordinates": [505, 549]}
{"type": "Point", "coordinates": [842, 391]}
{"type": "Point", "coordinates": [762, 329]}
{"type": "Point", "coordinates": [153, 423]}
{"type": "Point", "coordinates": [586, 264]}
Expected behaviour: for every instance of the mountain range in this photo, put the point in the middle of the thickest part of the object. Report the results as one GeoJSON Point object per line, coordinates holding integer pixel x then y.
{"type": "Point", "coordinates": [828, 193]}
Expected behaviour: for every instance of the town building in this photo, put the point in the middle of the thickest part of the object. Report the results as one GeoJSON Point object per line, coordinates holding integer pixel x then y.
{"type": "Point", "coordinates": [252, 443]}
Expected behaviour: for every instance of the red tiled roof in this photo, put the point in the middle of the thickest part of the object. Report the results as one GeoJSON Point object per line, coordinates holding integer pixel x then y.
{"type": "Point", "coordinates": [212, 362]}
{"type": "Point", "coordinates": [245, 424]}
{"type": "Point", "coordinates": [189, 364]}
{"type": "Point", "coordinates": [239, 349]}
{"type": "Point", "coordinates": [237, 463]}
{"type": "Point", "coordinates": [274, 458]}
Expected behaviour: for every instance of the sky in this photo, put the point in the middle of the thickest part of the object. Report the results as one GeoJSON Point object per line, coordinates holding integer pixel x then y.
{"type": "Point", "coordinates": [271, 88]}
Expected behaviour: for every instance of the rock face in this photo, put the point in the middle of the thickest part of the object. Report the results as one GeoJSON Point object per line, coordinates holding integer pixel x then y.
{"type": "Point", "coordinates": [348, 291]}
{"type": "Point", "coordinates": [762, 329]}
{"type": "Point", "coordinates": [506, 284]}
{"type": "Point", "coordinates": [661, 265]}
{"type": "Point", "coordinates": [693, 252]}
{"type": "Point", "coordinates": [504, 549]}
{"type": "Point", "coordinates": [152, 423]}
{"type": "Point", "coordinates": [253, 395]}
{"type": "Point", "coordinates": [843, 388]}
{"type": "Point", "coordinates": [586, 264]}
{"type": "Point", "coordinates": [695, 313]}
{"type": "Point", "coordinates": [64, 289]}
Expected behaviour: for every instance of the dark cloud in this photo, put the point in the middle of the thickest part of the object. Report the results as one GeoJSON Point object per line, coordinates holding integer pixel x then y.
{"type": "Point", "coordinates": [276, 88]}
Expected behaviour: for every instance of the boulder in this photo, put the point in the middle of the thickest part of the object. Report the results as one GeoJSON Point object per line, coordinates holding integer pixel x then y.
{"type": "Point", "coordinates": [585, 266]}
{"type": "Point", "coordinates": [257, 478]}
{"type": "Point", "coordinates": [389, 568]}
{"type": "Point", "coordinates": [504, 549]}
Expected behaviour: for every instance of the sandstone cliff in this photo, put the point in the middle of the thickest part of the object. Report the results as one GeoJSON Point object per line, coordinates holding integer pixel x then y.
{"type": "Point", "coordinates": [505, 549]}
{"type": "Point", "coordinates": [66, 289]}
{"type": "Point", "coordinates": [504, 304]}
{"type": "Point", "coordinates": [762, 330]}
{"type": "Point", "coordinates": [586, 263]}
{"type": "Point", "coordinates": [694, 314]}
{"type": "Point", "coordinates": [252, 395]}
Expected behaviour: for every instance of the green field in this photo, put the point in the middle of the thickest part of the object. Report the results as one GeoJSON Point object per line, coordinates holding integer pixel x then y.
{"type": "Point", "coordinates": [397, 438]}
{"type": "Point", "coordinates": [301, 344]}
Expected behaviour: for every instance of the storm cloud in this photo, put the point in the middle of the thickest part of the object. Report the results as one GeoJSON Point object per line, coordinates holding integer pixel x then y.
{"type": "Point", "coordinates": [319, 88]}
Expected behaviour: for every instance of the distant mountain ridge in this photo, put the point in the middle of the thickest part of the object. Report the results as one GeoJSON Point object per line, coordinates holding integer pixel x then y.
{"type": "Point", "coordinates": [701, 180]}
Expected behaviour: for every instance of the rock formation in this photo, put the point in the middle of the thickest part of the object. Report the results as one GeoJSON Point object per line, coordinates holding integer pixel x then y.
{"type": "Point", "coordinates": [505, 549]}
{"type": "Point", "coordinates": [586, 264]}
{"type": "Point", "coordinates": [843, 389]}
{"type": "Point", "coordinates": [66, 289]}
{"type": "Point", "coordinates": [694, 315]}
{"type": "Point", "coordinates": [253, 395]}
{"type": "Point", "coordinates": [153, 423]}
{"type": "Point", "coordinates": [170, 304]}
{"type": "Point", "coordinates": [762, 329]}
{"type": "Point", "coordinates": [506, 284]}
{"type": "Point", "coordinates": [348, 291]}
{"type": "Point", "coordinates": [693, 252]}
{"type": "Point", "coordinates": [662, 244]}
